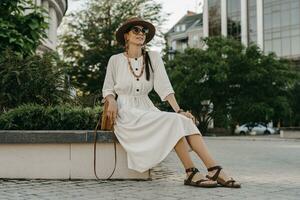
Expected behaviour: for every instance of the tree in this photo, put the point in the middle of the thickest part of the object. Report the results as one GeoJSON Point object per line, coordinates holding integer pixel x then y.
{"type": "Point", "coordinates": [242, 83]}
{"type": "Point", "coordinates": [295, 102]}
{"type": "Point", "coordinates": [264, 93]}
{"type": "Point", "coordinates": [19, 32]}
{"type": "Point", "coordinates": [90, 40]}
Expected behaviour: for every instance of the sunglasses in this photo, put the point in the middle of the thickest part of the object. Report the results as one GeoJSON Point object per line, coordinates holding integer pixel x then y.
{"type": "Point", "coordinates": [136, 30]}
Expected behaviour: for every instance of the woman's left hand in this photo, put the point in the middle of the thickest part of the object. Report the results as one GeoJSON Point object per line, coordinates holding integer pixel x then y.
{"type": "Point", "coordinates": [188, 115]}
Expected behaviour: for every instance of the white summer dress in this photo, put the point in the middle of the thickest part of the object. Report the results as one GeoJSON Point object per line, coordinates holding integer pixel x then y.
{"type": "Point", "coordinates": [146, 133]}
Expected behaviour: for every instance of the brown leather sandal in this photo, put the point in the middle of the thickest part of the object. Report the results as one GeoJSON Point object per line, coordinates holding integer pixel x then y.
{"type": "Point", "coordinates": [198, 183]}
{"type": "Point", "coordinates": [231, 183]}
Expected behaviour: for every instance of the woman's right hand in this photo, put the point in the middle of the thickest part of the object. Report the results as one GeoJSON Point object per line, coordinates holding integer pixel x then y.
{"type": "Point", "coordinates": [112, 110]}
{"type": "Point", "coordinates": [189, 115]}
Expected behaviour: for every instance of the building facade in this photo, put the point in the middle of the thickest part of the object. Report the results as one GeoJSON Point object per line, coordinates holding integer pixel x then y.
{"type": "Point", "coordinates": [187, 32]}
{"type": "Point", "coordinates": [56, 10]}
{"type": "Point", "coordinates": [274, 25]}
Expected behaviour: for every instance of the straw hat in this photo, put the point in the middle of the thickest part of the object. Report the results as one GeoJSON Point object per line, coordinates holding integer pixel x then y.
{"type": "Point", "coordinates": [134, 21]}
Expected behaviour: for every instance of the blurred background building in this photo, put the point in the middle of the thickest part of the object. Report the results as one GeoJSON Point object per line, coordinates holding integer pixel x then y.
{"type": "Point", "coordinates": [56, 9]}
{"type": "Point", "coordinates": [274, 25]}
{"type": "Point", "coordinates": [187, 32]}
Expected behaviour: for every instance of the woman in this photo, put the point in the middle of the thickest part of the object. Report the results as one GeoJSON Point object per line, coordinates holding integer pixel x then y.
{"type": "Point", "coordinates": [146, 133]}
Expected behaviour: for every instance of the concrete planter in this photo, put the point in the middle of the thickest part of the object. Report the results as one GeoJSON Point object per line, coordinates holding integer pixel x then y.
{"type": "Point", "coordinates": [55, 154]}
{"type": "Point", "coordinates": [290, 132]}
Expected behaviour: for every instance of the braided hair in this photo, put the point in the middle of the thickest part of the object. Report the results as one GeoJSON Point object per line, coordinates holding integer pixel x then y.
{"type": "Point", "coordinates": [147, 60]}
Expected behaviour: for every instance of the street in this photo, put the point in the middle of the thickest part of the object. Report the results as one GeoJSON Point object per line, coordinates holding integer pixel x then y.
{"type": "Point", "coordinates": [267, 167]}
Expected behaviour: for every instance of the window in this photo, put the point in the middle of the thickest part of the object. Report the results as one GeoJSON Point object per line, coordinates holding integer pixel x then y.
{"type": "Point", "coordinates": [183, 27]}
{"type": "Point", "coordinates": [252, 18]}
{"type": "Point", "coordinates": [286, 46]}
{"type": "Point", "coordinates": [282, 27]}
{"type": "Point", "coordinates": [234, 18]}
{"type": "Point", "coordinates": [214, 16]}
{"type": "Point", "coordinates": [174, 44]}
{"type": "Point", "coordinates": [295, 45]}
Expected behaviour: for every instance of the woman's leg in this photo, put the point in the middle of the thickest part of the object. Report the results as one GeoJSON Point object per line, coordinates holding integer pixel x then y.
{"type": "Point", "coordinates": [182, 152]}
{"type": "Point", "coordinates": [199, 147]}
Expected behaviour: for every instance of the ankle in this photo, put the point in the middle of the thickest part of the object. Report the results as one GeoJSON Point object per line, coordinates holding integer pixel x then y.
{"type": "Point", "coordinates": [189, 170]}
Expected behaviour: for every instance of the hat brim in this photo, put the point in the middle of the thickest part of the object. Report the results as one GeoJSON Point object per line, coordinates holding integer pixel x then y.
{"type": "Point", "coordinates": [121, 31]}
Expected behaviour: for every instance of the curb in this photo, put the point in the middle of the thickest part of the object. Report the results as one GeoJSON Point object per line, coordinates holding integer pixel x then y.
{"type": "Point", "coordinates": [247, 138]}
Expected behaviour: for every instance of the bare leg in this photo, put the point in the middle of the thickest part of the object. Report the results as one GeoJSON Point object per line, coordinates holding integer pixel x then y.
{"type": "Point", "coordinates": [199, 147]}
{"type": "Point", "coordinates": [182, 152]}
{"type": "Point", "coordinates": [197, 143]}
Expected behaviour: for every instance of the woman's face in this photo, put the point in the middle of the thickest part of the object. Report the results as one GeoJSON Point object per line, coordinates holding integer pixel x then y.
{"type": "Point", "coordinates": [135, 36]}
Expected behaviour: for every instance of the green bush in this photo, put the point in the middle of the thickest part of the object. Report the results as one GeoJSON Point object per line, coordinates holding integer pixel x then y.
{"type": "Point", "coordinates": [34, 79]}
{"type": "Point", "coordinates": [60, 117]}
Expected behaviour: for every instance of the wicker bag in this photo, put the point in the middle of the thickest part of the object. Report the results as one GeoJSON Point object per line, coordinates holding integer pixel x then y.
{"type": "Point", "coordinates": [106, 123]}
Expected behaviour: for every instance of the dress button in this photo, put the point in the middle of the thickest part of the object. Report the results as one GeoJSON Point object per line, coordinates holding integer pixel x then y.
{"type": "Point", "coordinates": [136, 68]}
{"type": "Point", "coordinates": [137, 90]}
{"type": "Point", "coordinates": [137, 79]}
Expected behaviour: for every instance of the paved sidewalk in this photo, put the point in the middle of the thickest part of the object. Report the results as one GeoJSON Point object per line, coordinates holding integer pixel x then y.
{"type": "Point", "coordinates": [267, 169]}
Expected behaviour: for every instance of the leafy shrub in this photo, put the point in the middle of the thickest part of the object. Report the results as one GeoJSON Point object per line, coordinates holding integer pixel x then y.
{"type": "Point", "coordinates": [60, 117]}
{"type": "Point", "coordinates": [34, 79]}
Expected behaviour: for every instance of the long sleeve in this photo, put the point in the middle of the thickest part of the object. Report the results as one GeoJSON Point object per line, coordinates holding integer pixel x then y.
{"type": "Point", "coordinates": [109, 80]}
{"type": "Point", "coordinates": [162, 84]}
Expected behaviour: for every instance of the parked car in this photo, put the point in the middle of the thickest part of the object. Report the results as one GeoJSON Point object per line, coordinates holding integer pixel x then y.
{"type": "Point", "coordinates": [242, 130]}
{"type": "Point", "coordinates": [257, 128]}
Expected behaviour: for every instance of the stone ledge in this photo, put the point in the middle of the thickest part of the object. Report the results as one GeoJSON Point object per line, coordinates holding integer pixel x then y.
{"type": "Point", "coordinates": [54, 136]}
{"type": "Point", "coordinates": [59, 154]}
{"type": "Point", "coordinates": [251, 138]}
{"type": "Point", "coordinates": [291, 128]}
{"type": "Point", "coordinates": [290, 132]}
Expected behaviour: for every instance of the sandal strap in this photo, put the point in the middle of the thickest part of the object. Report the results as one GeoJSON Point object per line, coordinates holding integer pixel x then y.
{"type": "Point", "coordinates": [216, 175]}
{"type": "Point", "coordinates": [191, 169]}
{"type": "Point", "coordinates": [214, 167]}
{"type": "Point", "coordinates": [201, 180]}
{"type": "Point", "coordinates": [230, 181]}
{"type": "Point", "coordinates": [194, 171]}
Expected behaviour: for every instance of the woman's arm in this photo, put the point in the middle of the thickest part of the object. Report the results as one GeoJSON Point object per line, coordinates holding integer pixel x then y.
{"type": "Point", "coordinates": [163, 86]}
{"type": "Point", "coordinates": [173, 103]}
{"type": "Point", "coordinates": [108, 91]}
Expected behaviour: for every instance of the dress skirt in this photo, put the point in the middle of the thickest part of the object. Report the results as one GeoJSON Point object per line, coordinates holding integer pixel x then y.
{"type": "Point", "coordinates": [147, 134]}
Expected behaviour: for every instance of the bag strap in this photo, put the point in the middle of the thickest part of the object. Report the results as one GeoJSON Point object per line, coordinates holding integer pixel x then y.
{"type": "Point", "coordinates": [95, 150]}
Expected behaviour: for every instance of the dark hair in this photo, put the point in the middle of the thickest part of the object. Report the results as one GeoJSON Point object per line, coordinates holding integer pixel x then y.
{"type": "Point", "coordinates": [147, 63]}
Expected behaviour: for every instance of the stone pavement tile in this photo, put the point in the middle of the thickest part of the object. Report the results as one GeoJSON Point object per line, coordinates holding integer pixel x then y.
{"type": "Point", "coordinates": [266, 169]}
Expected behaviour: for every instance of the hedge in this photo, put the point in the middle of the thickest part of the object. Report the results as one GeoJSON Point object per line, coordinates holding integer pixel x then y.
{"type": "Point", "coordinates": [60, 117]}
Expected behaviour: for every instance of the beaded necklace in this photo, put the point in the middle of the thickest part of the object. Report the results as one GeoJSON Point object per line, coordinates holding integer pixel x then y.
{"type": "Point", "coordinates": [131, 69]}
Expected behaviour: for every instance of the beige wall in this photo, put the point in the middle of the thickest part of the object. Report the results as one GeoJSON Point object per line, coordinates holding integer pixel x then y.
{"type": "Point", "coordinates": [64, 161]}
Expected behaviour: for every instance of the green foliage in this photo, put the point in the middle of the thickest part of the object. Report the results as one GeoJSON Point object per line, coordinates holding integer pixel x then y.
{"type": "Point", "coordinates": [34, 79]}
{"type": "Point", "coordinates": [90, 38]}
{"type": "Point", "coordinates": [60, 117]}
{"type": "Point", "coordinates": [295, 103]}
{"type": "Point", "coordinates": [242, 84]}
{"type": "Point", "coordinates": [19, 32]}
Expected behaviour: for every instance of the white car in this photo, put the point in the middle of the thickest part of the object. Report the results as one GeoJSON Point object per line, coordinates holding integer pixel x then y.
{"type": "Point", "coordinates": [241, 130]}
{"type": "Point", "coordinates": [254, 129]}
